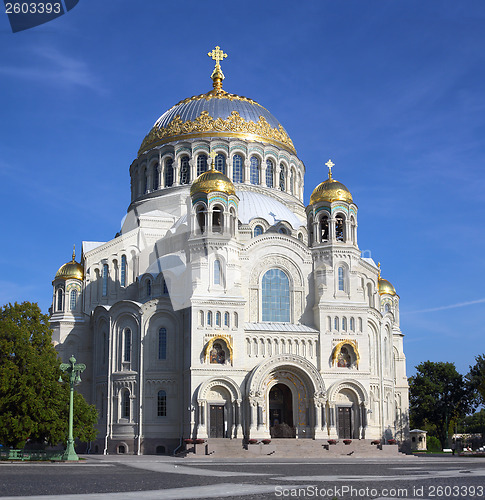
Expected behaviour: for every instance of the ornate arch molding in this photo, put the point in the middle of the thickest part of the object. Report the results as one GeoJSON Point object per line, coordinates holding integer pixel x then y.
{"type": "Point", "coordinates": [352, 385]}
{"type": "Point", "coordinates": [278, 261]}
{"type": "Point", "coordinates": [288, 362]}
{"type": "Point", "coordinates": [222, 381]}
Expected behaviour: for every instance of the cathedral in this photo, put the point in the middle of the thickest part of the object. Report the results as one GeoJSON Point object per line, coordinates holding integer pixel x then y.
{"type": "Point", "coordinates": [224, 307]}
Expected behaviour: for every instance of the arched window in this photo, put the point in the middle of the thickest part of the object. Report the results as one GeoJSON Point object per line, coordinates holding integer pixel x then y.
{"type": "Point", "coordinates": [105, 280]}
{"type": "Point", "coordinates": [221, 163]}
{"type": "Point", "coordinates": [360, 324]}
{"type": "Point", "coordinates": [217, 220]}
{"type": "Point", "coordinates": [341, 281]}
{"type": "Point", "coordinates": [209, 318]}
{"type": "Point", "coordinates": [282, 178]}
{"type": "Point", "coordinates": [60, 299]}
{"type": "Point", "coordinates": [162, 343]}
{"type": "Point", "coordinates": [218, 318]}
{"type": "Point", "coordinates": [155, 176]}
{"type": "Point", "coordinates": [127, 345]}
{"type": "Point", "coordinates": [282, 230]}
{"type": "Point", "coordinates": [370, 295]}
{"type": "Point", "coordinates": [165, 286]}
{"type": "Point", "coordinates": [324, 228]}
{"type": "Point", "coordinates": [217, 272]}
{"type": "Point", "coordinates": [145, 181]}
{"type": "Point", "coordinates": [162, 404]}
{"type": "Point", "coordinates": [184, 170]}
{"type": "Point", "coordinates": [73, 300]}
{"type": "Point", "coordinates": [336, 324]}
{"type": "Point", "coordinates": [237, 168]}
{"type": "Point", "coordinates": [300, 236]}
{"type": "Point", "coordinates": [276, 296]}
{"type": "Point", "coordinates": [269, 173]}
{"type": "Point", "coordinates": [352, 324]}
{"type": "Point", "coordinates": [257, 230]}
{"type": "Point", "coordinates": [254, 170]}
{"type": "Point", "coordinates": [201, 218]}
{"type": "Point", "coordinates": [236, 320]}
{"type": "Point", "coordinates": [340, 228]}
{"type": "Point", "coordinates": [149, 288]}
{"type": "Point", "coordinates": [201, 164]}
{"type": "Point", "coordinates": [344, 323]}
{"type": "Point", "coordinates": [123, 271]}
{"type": "Point", "coordinates": [125, 405]}
{"type": "Point", "coordinates": [386, 307]}
{"type": "Point", "coordinates": [168, 172]}
{"type": "Point", "coordinates": [201, 318]}
{"type": "Point", "coordinates": [292, 182]}
{"type": "Point", "coordinates": [226, 319]}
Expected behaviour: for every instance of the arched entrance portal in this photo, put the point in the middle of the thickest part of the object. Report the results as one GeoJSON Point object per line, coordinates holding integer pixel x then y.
{"type": "Point", "coordinates": [281, 412]}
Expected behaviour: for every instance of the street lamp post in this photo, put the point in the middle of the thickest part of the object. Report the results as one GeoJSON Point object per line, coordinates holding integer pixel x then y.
{"type": "Point", "coordinates": [74, 370]}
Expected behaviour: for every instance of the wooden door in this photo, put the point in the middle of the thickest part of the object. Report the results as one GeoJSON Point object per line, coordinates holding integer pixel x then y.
{"type": "Point", "coordinates": [344, 422]}
{"type": "Point", "coordinates": [216, 421]}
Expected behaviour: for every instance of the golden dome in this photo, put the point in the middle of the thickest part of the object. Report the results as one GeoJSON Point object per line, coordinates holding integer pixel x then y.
{"type": "Point", "coordinates": [385, 287]}
{"type": "Point", "coordinates": [330, 190]}
{"type": "Point", "coordinates": [210, 181]}
{"type": "Point", "coordinates": [71, 270]}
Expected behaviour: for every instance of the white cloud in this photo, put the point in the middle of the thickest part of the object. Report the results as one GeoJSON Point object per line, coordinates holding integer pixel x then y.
{"type": "Point", "coordinates": [450, 306]}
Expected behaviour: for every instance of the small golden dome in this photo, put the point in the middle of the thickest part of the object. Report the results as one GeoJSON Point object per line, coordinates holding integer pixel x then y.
{"type": "Point", "coordinates": [71, 270]}
{"type": "Point", "coordinates": [212, 180]}
{"type": "Point", "coordinates": [385, 287]}
{"type": "Point", "coordinates": [330, 190]}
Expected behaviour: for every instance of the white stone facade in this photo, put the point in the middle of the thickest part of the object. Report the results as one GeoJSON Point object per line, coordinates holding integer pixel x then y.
{"type": "Point", "coordinates": [172, 320]}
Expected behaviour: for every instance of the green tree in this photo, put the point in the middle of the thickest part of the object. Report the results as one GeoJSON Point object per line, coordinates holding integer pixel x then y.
{"type": "Point", "coordinates": [33, 404]}
{"type": "Point", "coordinates": [476, 379]}
{"type": "Point", "coordinates": [438, 396]}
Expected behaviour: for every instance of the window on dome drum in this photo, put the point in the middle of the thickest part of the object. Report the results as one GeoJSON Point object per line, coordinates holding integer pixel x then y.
{"type": "Point", "coordinates": [269, 173]}
{"type": "Point", "coordinates": [73, 300]}
{"type": "Point", "coordinates": [218, 318]}
{"type": "Point", "coordinates": [282, 178]}
{"type": "Point", "coordinates": [340, 228]}
{"type": "Point", "coordinates": [145, 181]}
{"type": "Point", "coordinates": [127, 345]}
{"type": "Point", "coordinates": [386, 308]}
{"type": "Point", "coordinates": [201, 164]}
{"type": "Point", "coordinates": [105, 280]}
{"type": "Point", "coordinates": [324, 228]}
{"type": "Point", "coordinates": [292, 182]}
{"type": "Point", "coordinates": [168, 172]}
{"type": "Point", "coordinates": [217, 220]}
{"type": "Point", "coordinates": [276, 296]}
{"type": "Point", "coordinates": [282, 230]}
{"type": "Point", "coordinates": [125, 405]}
{"type": "Point", "coordinates": [201, 219]}
{"type": "Point", "coordinates": [237, 168]}
{"type": "Point", "coordinates": [254, 170]}
{"type": "Point", "coordinates": [165, 287]}
{"type": "Point", "coordinates": [221, 163]}
{"type": "Point", "coordinates": [60, 297]}
{"type": "Point", "coordinates": [149, 288]}
{"type": "Point", "coordinates": [300, 236]}
{"type": "Point", "coordinates": [209, 318]}
{"type": "Point", "coordinates": [184, 170]}
{"type": "Point", "coordinates": [162, 343]}
{"type": "Point", "coordinates": [123, 271]}
{"type": "Point", "coordinates": [217, 272]}
{"type": "Point", "coordinates": [155, 176]}
{"type": "Point", "coordinates": [226, 319]}
{"type": "Point", "coordinates": [257, 230]}
{"type": "Point", "coordinates": [341, 282]}
{"type": "Point", "coordinates": [162, 404]}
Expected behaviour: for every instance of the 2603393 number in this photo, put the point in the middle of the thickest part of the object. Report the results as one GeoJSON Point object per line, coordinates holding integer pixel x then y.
{"type": "Point", "coordinates": [455, 491]}
{"type": "Point", "coordinates": [33, 8]}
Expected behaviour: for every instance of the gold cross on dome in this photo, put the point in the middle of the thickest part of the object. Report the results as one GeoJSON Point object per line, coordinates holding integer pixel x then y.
{"type": "Point", "coordinates": [379, 272]}
{"type": "Point", "coordinates": [217, 55]}
{"type": "Point", "coordinates": [330, 164]}
{"type": "Point", "coordinates": [213, 163]}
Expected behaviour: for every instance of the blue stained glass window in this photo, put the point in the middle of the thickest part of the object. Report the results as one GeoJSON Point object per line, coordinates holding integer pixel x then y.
{"type": "Point", "coordinates": [276, 296]}
{"type": "Point", "coordinates": [59, 299]}
{"type": "Point", "coordinates": [155, 176]}
{"type": "Point", "coordinates": [237, 168]}
{"type": "Point", "coordinates": [341, 278]}
{"type": "Point", "coordinates": [168, 172]}
{"type": "Point", "coordinates": [162, 343]}
{"type": "Point", "coordinates": [162, 404]}
{"type": "Point", "coordinates": [269, 173]}
{"type": "Point", "coordinates": [201, 164]}
{"type": "Point", "coordinates": [282, 177]}
{"type": "Point", "coordinates": [123, 271]}
{"type": "Point", "coordinates": [105, 280]}
{"type": "Point", "coordinates": [209, 318]}
{"type": "Point", "coordinates": [125, 405]}
{"type": "Point", "coordinates": [258, 230]}
{"type": "Point", "coordinates": [218, 318]}
{"type": "Point", "coordinates": [226, 319]}
{"type": "Point", "coordinates": [352, 324]}
{"type": "Point", "coordinates": [73, 300]}
{"type": "Point", "coordinates": [221, 163]}
{"type": "Point", "coordinates": [254, 170]}
{"type": "Point", "coordinates": [217, 272]}
{"type": "Point", "coordinates": [184, 170]}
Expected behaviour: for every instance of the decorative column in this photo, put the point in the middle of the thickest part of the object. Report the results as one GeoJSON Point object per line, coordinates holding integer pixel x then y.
{"type": "Point", "coordinates": [262, 180]}
{"type": "Point", "coordinates": [238, 412]}
{"type": "Point", "coordinates": [201, 425]}
{"type": "Point", "coordinates": [149, 174]}
{"type": "Point", "coordinates": [332, 420]}
{"type": "Point", "coordinates": [348, 231]}
{"type": "Point", "coordinates": [331, 229]}
{"type": "Point", "coordinates": [317, 238]}
{"type": "Point", "coordinates": [363, 420]}
{"type": "Point", "coordinates": [247, 171]}
{"type": "Point", "coordinates": [253, 426]}
{"type": "Point", "coordinates": [318, 405]}
{"type": "Point", "coordinates": [176, 172]}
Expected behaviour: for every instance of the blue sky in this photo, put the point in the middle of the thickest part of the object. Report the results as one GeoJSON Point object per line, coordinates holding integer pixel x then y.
{"type": "Point", "coordinates": [392, 91]}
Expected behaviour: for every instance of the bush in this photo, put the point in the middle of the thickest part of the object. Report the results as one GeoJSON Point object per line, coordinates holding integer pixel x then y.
{"type": "Point", "coordinates": [433, 444]}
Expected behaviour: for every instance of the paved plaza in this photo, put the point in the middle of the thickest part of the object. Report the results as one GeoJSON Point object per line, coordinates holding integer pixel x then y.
{"type": "Point", "coordinates": [162, 478]}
